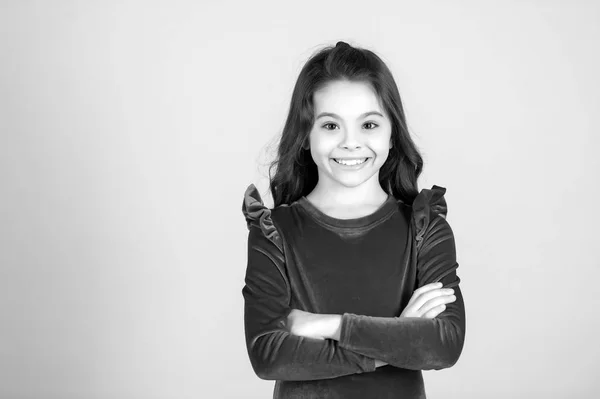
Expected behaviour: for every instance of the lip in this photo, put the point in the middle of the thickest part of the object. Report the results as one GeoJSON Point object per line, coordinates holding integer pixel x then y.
{"type": "Point", "coordinates": [351, 167]}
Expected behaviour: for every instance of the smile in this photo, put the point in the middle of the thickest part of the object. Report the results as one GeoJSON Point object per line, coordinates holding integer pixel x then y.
{"type": "Point", "coordinates": [351, 162]}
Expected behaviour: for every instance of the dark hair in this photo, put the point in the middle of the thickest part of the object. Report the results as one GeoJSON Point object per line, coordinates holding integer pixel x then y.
{"type": "Point", "coordinates": [296, 173]}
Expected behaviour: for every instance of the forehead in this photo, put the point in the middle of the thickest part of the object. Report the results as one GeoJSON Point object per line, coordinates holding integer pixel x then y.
{"type": "Point", "coordinates": [346, 98]}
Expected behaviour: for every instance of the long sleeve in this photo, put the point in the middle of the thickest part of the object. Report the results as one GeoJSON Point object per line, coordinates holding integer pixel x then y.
{"type": "Point", "coordinates": [275, 353]}
{"type": "Point", "coordinates": [412, 342]}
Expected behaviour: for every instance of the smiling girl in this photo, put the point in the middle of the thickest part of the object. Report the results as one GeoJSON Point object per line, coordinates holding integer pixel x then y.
{"type": "Point", "coordinates": [351, 287]}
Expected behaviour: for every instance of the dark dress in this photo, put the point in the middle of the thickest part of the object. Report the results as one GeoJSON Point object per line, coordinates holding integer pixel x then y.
{"type": "Point", "coordinates": [365, 269]}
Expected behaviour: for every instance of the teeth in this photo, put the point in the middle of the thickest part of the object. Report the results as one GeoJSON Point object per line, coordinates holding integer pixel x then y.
{"type": "Point", "coordinates": [350, 162]}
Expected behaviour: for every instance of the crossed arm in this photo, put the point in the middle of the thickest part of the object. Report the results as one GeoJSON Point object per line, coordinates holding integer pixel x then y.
{"type": "Point", "coordinates": [428, 301]}
{"type": "Point", "coordinates": [318, 326]}
{"type": "Point", "coordinates": [349, 343]}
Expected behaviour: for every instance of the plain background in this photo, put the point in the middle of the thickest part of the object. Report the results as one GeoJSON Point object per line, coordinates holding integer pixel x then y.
{"type": "Point", "coordinates": [131, 129]}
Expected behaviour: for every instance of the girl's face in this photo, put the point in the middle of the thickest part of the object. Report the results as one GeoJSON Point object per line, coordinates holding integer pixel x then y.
{"type": "Point", "coordinates": [349, 125]}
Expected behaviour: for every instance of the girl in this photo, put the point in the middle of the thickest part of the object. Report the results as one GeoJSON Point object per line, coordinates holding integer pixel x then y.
{"type": "Point", "coordinates": [351, 287]}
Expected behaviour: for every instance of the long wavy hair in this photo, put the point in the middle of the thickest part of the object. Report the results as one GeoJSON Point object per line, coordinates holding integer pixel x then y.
{"type": "Point", "coordinates": [296, 172]}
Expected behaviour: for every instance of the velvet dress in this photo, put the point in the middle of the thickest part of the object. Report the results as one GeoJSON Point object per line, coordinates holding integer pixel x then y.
{"type": "Point", "coordinates": [365, 269]}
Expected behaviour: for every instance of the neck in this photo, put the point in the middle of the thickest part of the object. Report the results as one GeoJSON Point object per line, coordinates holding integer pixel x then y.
{"type": "Point", "coordinates": [348, 197]}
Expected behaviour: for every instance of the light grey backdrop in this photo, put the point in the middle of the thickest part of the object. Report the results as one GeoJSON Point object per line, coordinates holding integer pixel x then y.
{"type": "Point", "coordinates": [130, 130]}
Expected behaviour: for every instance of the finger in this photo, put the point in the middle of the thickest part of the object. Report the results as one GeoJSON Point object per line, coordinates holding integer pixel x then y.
{"type": "Point", "coordinates": [437, 301]}
{"type": "Point", "coordinates": [421, 290]}
{"type": "Point", "coordinates": [434, 312]}
{"type": "Point", "coordinates": [422, 299]}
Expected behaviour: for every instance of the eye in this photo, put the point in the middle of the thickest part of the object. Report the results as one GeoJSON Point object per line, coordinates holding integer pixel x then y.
{"type": "Point", "coordinates": [329, 124]}
{"type": "Point", "coordinates": [371, 123]}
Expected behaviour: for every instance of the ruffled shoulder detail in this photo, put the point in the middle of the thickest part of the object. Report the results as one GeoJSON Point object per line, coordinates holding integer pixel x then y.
{"type": "Point", "coordinates": [257, 214]}
{"type": "Point", "coordinates": [428, 204]}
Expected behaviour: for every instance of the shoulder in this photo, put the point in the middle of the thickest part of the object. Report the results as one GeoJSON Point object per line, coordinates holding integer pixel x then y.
{"type": "Point", "coordinates": [429, 209]}
{"type": "Point", "coordinates": [259, 216]}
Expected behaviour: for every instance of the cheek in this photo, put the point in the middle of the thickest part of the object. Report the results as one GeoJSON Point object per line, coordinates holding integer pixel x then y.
{"type": "Point", "coordinates": [382, 154]}
{"type": "Point", "coordinates": [319, 155]}
{"type": "Point", "coordinates": [321, 148]}
{"type": "Point", "coordinates": [381, 147]}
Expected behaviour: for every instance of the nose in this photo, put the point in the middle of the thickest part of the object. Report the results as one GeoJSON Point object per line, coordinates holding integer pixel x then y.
{"type": "Point", "coordinates": [350, 139]}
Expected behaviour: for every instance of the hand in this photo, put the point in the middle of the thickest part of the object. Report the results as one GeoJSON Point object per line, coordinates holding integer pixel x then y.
{"type": "Point", "coordinates": [305, 324]}
{"type": "Point", "coordinates": [428, 301]}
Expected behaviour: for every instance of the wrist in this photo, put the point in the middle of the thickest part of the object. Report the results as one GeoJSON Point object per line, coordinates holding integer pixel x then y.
{"type": "Point", "coordinates": [331, 324]}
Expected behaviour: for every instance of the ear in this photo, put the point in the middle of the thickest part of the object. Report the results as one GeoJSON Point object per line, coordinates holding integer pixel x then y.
{"type": "Point", "coordinates": [306, 145]}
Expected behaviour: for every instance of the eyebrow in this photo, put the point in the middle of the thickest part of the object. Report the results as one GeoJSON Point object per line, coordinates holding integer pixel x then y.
{"type": "Point", "coordinates": [322, 114]}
